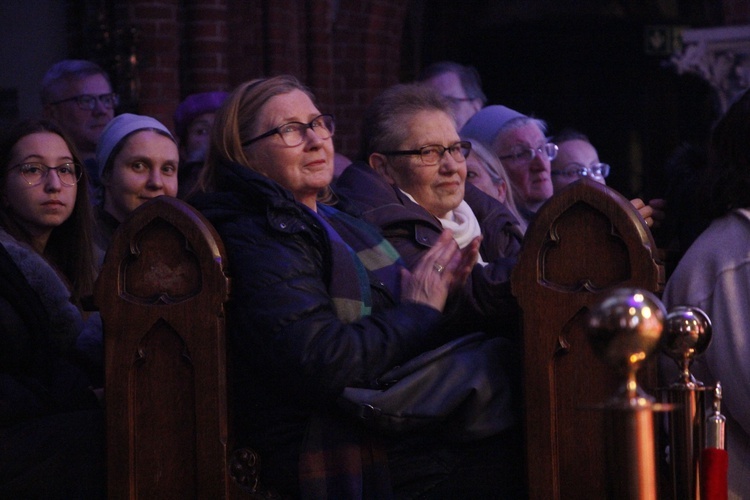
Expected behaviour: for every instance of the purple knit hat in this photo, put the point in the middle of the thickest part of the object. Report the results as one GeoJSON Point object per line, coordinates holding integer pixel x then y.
{"type": "Point", "coordinates": [487, 122]}
{"type": "Point", "coordinates": [195, 105]}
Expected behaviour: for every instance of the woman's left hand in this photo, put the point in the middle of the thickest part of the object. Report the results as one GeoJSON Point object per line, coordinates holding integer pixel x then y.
{"type": "Point", "coordinates": [435, 273]}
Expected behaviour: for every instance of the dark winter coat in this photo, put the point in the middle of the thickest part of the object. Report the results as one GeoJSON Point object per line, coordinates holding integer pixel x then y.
{"type": "Point", "coordinates": [486, 302]}
{"type": "Point", "coordinates": [290, 354]}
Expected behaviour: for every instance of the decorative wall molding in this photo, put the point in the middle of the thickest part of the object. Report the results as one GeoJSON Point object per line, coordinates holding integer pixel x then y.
{"type": "Point", "coordinates": [721, 56]}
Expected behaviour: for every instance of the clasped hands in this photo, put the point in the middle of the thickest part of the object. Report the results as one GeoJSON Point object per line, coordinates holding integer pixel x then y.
{"type": "Point", "coordinates": [443, 269]}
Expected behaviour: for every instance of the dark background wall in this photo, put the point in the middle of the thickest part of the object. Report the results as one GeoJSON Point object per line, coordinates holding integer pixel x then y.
{"type": "Point", "coordinates": [584, 63]}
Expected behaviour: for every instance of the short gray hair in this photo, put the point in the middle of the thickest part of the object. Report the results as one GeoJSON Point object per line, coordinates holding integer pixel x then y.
{"type": "Point", "coordinates": [63, 73]}
{"type": "Point", "coordinates": [384, 124]}
{"type": "Point", "coordinates": [470, 79]}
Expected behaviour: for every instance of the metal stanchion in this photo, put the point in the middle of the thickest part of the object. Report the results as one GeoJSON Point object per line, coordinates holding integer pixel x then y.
{"type": "Point", "coordinates": [714, 459]}
{"type": "Point", "coordinates": [625, 329]}
{"type": "Point", "coordinates": [687, 334]}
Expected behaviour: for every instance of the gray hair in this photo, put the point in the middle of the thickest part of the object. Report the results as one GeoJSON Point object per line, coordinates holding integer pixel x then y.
{"type": "Point", "coordinates": [63, 73]}
{"type": "Point", "coordinates": [468, 75]}
{"type": "Point", "coordinates": [496, 171]}
{"type": "Point", "coordinates": [385, 121]}
{"type": "Point", "coordinates": [517, 123]}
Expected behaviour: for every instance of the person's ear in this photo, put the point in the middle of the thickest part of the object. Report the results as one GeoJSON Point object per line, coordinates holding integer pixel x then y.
{"type": "Point", "coordinates": [502, 191]}
{"type": "Point", "coordinates": [381, 165]}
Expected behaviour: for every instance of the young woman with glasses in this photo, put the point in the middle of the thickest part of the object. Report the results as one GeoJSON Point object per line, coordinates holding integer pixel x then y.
{"type": "Point", "coordinates": [577, 158]}
{"type": "Point", "coordinates": [51, 425]}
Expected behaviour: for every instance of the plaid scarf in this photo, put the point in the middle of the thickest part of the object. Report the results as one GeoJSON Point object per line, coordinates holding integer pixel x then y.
{"type": "Point", "coordinates": [339, 458]}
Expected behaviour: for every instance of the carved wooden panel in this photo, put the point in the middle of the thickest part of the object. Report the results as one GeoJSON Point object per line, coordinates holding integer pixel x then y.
{"type": "Point", "coordinates": [584, 242]}
{"type": "Point", "coordinates": [161, 295]}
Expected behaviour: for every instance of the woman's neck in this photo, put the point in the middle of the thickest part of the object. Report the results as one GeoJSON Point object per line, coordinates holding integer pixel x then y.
{"type": "Point", "coordinates": [39, 242]}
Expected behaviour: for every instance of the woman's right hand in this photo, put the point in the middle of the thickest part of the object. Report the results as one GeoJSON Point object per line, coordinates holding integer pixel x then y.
{"type": "Point", "coordinates": [435, 273]}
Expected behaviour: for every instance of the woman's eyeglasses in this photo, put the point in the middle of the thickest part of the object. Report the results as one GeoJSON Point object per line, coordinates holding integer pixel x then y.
{"type": "Point", "coordinates": [527, 154]}
{"type": "Point", "coordinates": [34, 173]}
{"type": "Point", "coordinates": [432, 153]}
{"type": "Point", "coordinates": [294, 133]}
{"type": "Point", "coordinates": [600, 170]}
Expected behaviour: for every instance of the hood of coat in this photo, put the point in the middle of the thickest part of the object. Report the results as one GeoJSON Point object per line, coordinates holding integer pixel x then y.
{"type": "Point", "coordinates": [65, 319]}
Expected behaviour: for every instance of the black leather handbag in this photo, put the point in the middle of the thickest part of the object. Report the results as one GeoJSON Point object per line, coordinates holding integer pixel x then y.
{"type": "Point", "coordinates": [461, 389]}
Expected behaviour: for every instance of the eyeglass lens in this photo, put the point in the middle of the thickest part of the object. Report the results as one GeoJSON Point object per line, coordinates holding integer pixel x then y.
{"type": "Point", "coordinates": [527, 155]}
{"type": "Point", "coordinates": [35, 173]}
{"type": "Point", "coordinates": [89, 101]}
{"type": "Point", "coordinates": [600, 170]}
{"type": "Point", "coordinates": [432, 154]}
{"type": "Point", "coordinates": [294, 133]}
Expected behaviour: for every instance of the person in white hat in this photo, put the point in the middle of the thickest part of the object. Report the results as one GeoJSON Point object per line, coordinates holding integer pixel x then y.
{"type": "Point", "coordinates": [521, 144]}
{"type": "Point", "coordinates": [138, 160]}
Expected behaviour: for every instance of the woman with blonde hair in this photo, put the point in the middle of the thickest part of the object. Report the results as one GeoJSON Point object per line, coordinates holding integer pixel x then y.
{"type": "Point", "coordinates": [320, 302]}
{"type": "Point", "coordinates": [486, 171]}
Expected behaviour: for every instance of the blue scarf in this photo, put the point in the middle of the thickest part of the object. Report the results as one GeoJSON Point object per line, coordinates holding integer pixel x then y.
{"type": "Point", "coordinates": [357, 250]}
{"type": "Point", "coordinates": [339, 458]}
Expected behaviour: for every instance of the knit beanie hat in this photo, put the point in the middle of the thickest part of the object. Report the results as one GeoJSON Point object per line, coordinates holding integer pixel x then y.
{"type": "Point", "coordinates": [487, 122]}
{"type": "Point", "coordinates": [195, 105]}
{"type": "Point", "coordinates": [120, 127]}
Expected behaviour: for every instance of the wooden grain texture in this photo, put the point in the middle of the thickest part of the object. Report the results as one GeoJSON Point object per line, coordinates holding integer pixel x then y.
{"type": "Point", "coordinates": [161, 295]}
{"type": "Point", "coordinates": [584, 242]}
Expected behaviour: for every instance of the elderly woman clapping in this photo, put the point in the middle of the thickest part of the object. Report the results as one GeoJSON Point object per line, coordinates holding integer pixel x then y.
{"type": "Point", "coordinates": [413, 186]}
{"type": "Point", "coordinates": [320, 301]}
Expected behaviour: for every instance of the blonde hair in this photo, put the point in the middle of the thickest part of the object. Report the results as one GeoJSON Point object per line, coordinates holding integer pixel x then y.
{"type": "Point", "coordinates": [494, 168]}
{"type": "Point", "coordinates": [237, 121]}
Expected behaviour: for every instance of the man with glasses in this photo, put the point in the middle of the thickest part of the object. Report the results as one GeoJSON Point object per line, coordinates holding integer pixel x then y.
{"type": "Point", "coordinates": [460, 85]}
{"type": "Point", "coordinates": [78, 95]}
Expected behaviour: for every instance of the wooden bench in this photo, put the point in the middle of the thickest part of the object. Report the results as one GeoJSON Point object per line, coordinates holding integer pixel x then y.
{"type": "Point", "coordinates": [584, 242]}
{"type": "Point", "coordinates": [161, 295]}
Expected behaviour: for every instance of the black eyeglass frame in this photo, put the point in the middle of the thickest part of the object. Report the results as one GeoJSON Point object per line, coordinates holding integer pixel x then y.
{"type": "Point", "coordinates": [463, 145]}
{"type": "Point", "coordinates": [81, 99]}
{"type": "Point", "coordinates": [305, 126]}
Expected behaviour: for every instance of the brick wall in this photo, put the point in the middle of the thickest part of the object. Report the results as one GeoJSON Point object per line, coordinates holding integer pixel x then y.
{"type": "Point", "coordinates": [346, 51]}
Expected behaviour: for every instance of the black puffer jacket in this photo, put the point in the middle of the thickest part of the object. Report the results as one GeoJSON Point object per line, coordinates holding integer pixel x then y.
{"type": "Point", "coordinates": [486, 302]}
{"type": "Point", "coordinates": [289, 351]}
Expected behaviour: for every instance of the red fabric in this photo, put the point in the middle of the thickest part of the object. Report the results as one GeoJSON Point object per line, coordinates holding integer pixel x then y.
{"type": "Point", "coordinates": [714, 465]}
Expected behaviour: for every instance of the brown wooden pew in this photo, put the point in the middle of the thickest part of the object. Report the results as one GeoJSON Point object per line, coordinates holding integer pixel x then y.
{"type": "Point", "coordinates": [162, 291]}
{"type": "Point", "coordinates": [161, 295]}
{"type": "Point", "coordinates": [584, 242]}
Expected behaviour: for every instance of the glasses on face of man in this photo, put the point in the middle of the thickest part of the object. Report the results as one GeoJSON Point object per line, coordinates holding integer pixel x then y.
{"type": "Point", "coordinates": [294, 133]}
{"type": "Point", "coordinates": [87, 102]}
{"type": "Point", "coordinates": [525, 155]}
{"type": "Point", "coordinates": [431, 154]}
{"type": "Point", "coordinates": [600, 170]}
{"type": "Point", "coordinates": [34, 173]}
